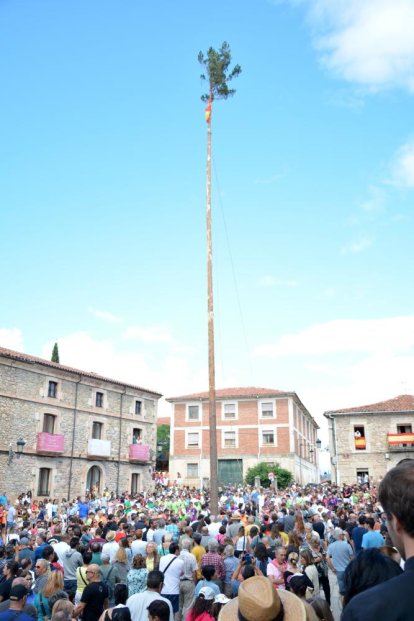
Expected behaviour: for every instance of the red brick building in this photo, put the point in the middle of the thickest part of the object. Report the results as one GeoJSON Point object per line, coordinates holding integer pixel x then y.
{"type": "Point", "coordinates": [253, 425]}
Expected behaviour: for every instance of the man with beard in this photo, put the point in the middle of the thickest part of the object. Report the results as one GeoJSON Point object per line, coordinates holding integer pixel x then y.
{"type": "Point", "coordinates": [392, 600]}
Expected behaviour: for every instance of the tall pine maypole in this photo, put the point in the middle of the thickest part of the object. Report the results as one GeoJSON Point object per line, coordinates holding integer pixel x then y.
{"type": "Point", "coordinates": [217, 75]}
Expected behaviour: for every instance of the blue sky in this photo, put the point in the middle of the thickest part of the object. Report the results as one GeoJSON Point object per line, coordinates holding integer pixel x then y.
{"type": "Point", "coordinates": [102, 193]}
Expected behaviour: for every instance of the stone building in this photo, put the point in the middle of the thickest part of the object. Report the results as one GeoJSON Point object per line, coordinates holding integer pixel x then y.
{"type": "Point", "coordinates": [366, 441]}
{"type": "Point", "coordinates": [80, 430]}
{"type": "Point", "coordinates": [253, 425]}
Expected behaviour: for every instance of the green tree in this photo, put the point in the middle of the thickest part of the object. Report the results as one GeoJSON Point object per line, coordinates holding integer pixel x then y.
{"type": "Point", "coordinates": [55, 353]}
{"type": "Point", "coordinates": [218, 74]}
{"type": "Point", "coordinates": [163, 437]}
{"type": "Point", "coordinates": [284, 477]}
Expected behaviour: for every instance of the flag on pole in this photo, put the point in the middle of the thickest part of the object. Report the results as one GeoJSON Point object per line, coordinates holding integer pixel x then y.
{"type": "Point", "coordinates": [208, 111]}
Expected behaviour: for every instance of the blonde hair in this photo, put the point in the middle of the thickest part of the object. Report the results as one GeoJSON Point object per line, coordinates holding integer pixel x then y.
{"type": "Point", "coordinates": [293, 558]}
{"type": "Point", "coordinates": [54, 583]}
{"type": "Point", "coordinates": [121, 556]}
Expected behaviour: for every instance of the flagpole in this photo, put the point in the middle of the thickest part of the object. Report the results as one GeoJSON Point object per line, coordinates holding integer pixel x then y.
{"type": "Point", "coordinates": [210, 311]}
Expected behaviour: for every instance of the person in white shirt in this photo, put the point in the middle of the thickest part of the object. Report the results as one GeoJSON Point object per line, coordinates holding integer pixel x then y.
{"type": "Point", "coordinates": [173, 568]}
{"type": "Point", "coordinates": [139, 602]}
{"type": "Point", "coordinates": [111, 547]}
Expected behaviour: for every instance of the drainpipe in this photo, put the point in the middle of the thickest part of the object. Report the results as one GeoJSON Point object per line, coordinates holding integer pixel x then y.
{"type": "Point", "coordinates": [119, 443]}
{"type": "Point", "coordinates": [75, 414]}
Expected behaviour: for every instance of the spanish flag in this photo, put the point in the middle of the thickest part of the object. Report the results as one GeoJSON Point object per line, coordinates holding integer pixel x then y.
{"type": "Point", "coordinates": [208, 111]}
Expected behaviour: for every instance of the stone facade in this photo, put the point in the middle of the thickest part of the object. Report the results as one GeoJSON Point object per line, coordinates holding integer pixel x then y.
{"type": "Point", "coordinates": [367, 441]}
{"type": "Point", "coordinates": [253, 425]}
{"type": "Point", "coordinates": [86, 420]}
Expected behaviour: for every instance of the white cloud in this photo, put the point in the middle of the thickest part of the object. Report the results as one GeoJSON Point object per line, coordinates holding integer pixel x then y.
{"type": "Point", "coordinates": [270, 281]}
{"type": "Point", "coordinates": [104, 315]}
{"type": "Point", "coordinates": [367, 42]}
{"type": "Point", "coordinates": [375, 201]}
{"type": "Point", "coordinates": [11, 338]}
{"type": "Point", "coordinates": [402, 168]}
{"type": "Point", "coordinates": [170, 373]}
{"type": "Point", "coordinates": [357, 245]}
{"type": "Point", "coordinates": [148, 334]}
{"type": "Point", "coordinates": [346, 335]}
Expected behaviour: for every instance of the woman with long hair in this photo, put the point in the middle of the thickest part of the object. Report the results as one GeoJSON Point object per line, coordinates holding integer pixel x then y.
{"type": "Point", "coordinates": [241, 542]}
{"type": "Point", "coordinates": [137, 576]}
{"type": "Point", "coordinates": [125, 543]}
{"type": "Point", "coordinates": [308, 566]}
{"type": "Point", "coordinates": [152, 560]}
{"type": "Point", "coordinates": [201, 610]}
{"type": "Point", "coordinates": [121, 565]}
{"type": "Point", "coordinates": [120, 599]}
{"type": "Point", "coordinates": [299, 526]}
{"type": "Point", "coordinates": [294, 542]}
{"type": "Point", "coordinates": [54, 583]}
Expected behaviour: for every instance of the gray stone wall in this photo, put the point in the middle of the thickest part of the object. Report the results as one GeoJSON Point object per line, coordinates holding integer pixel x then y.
{"type": "Point", "coordinates": [24, 401]}
{"type": "Point", "coordinates": [378, 457]}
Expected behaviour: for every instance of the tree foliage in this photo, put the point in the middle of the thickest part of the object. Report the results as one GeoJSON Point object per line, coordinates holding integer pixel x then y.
{"type": "Point", "coordinates": [163, 437]}
{"type": "Point", "coordinates": [284, 477]}
{"type": "Point", "coordinates": [217, 72]}
{"type": "Point", "coordinates": [55, 353]}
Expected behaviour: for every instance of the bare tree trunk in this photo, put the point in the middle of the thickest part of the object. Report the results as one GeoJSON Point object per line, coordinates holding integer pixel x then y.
{"type": "Point", "coordinates": [211, 363]}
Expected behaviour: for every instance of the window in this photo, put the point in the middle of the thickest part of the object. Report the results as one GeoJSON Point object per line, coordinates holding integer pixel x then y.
{"type": "Point", "coordinates": [52, 390]}
{"type": "Point", "coordinates": [229, 411]}
{"type": "Point", "coordinates": [404, 429]}
{"type": "Point", "coordinates": [134, 483]}
{"type": "Point", "coordinates": [136, 436]}
{"type": "Point", "coordinates": [43, 488]}
{"type": "Point", "coordinates": [49, 423]}
{"type": "Point", "coordinates": [268, 437]}
{"type": "Point", "coordinates": [97, 430]}
{"type": "Point", "coordinates": [193, 439]}
{"type": "Point", "coordinates": [193, 412]}
{"type": "Point", "coordinates": [192, 471]}
{"type": "Point", "coordinates": [266, 409]}
{"type": "Point", "coordinates": [229, 439]}
{"type": "Point", "coordinates": [138, 408]}
{"type": "Point", "coordinates": [359, 438]}
{"type": "Point", "coordinates": [99, 399]}
{"type": "Point", "coordinates": [362, 477]}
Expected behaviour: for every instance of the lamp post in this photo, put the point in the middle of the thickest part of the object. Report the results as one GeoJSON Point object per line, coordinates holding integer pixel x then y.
{"type": "Point", "coordinates": [20, 444]}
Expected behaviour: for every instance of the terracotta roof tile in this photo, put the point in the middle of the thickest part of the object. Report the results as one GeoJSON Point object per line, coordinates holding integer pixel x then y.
{"type": "Point", "coordinates": [15, 355]}
{"type": "Point", "coordinates": [227, 393]}
{"type": "Point", "coordinates": [402, 403]}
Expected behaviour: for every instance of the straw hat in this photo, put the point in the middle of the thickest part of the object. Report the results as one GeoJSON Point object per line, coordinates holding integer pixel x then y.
{"type": "Point", "coordinates": [258, 600]}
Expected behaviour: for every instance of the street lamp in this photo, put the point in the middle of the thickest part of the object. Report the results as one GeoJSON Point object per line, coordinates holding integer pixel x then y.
{"type": "Point", "coordinates": [318, 443]}
{"type": "Point", "coordinates": [19, 450]}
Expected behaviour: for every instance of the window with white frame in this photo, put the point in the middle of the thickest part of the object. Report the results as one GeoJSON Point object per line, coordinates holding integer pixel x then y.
{"type": "Point", "coordinates": [229, 439]}
{"type": "Point", "coordinates": [192, 471]}
{"type": "Point", "coordinates": [193, 412]}
{"type": "Point", "coordinates": [229, 411]}
{"type": "Point", "coordinates": [267, 409]}
{"type": "Point", "coordinates": [268, 437]}
{"type": "Point", "coordinates": [193, 439]}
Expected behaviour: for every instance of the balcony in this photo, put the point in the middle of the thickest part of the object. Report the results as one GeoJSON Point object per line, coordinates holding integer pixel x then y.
{"type": "Point", "coordinates": [139, 452]}
{"type": "Point", "coordinates": [52, 443]}
{"type": "Point", "coordinates": [401, 442]}
{"type": "Point", "coordinates": [99, 448]}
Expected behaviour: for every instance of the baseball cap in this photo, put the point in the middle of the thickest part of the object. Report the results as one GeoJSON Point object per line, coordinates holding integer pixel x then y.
{"type": "Point", "coordinates": [18, 592]}
{"type": "Point", "coordinates": [206, 593]}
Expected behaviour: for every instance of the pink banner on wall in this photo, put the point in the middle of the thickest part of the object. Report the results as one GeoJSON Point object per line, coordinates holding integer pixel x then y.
{"type": "Point", "coordinates": [139, 452]}
{"type": "Point", "coordinates": [50, 442]}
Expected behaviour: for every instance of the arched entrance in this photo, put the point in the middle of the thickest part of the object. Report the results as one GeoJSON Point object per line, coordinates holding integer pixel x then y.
{"type": "Point", "coordinates": [94, 480]}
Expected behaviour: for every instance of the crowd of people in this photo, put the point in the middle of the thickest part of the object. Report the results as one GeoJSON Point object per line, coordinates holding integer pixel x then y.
{"type": "Point", "coordinates": [162, 555]}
